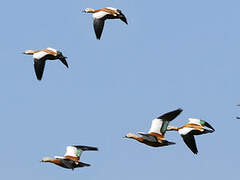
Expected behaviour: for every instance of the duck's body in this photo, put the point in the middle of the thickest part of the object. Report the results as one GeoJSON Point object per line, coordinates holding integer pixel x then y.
{"type": "Point", "coordinates": [155, 136]}
{"type": "Point", "coordinates": [71, 157]}
{"type": "Point", "coordinates": [100, 15]}
{"type": "Point", "coordinates": [238, 117]}
{"type": "Point", "coordinates": [65, 163]}
{"type": "Point", "coordinates": [40, 57]}
{"type": "Point", "coordinates": [188, 131]}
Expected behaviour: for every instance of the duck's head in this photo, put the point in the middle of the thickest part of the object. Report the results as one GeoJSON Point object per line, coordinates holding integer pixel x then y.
{"type": "Point", "coordinates": [46, 159]}
{"type": "Point", "coordinates": [89, 10]}
{"type": "Point", "coordinates": [29, 52]}
{"type": "Point", "coordinates": [130, 135]}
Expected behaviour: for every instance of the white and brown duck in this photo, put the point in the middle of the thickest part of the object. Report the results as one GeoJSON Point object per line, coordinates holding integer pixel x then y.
{"type": "Point", "coordinates": [100, 15]}
{"type": "Point", "coordinates": [40, 57]}
{"type": "Point", "coordinates": [155, 136]}
{"type": "Point", "coordinates": [71, 157]}
{"type": "Point", "coordinates": [188, 131]}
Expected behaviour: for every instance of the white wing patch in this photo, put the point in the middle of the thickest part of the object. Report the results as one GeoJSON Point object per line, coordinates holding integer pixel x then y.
{"type": "Point", "coordinates": [39, 55]}
{"type": "Point", "coordinates": [194, 121]}
{"type": "Point", "coordinates": [100, 14]}
{"type": "Point", "coordinates": [71, 151]}
{"type": "Point", "coordinates": [185, 130]}
{"type": "Point", "coordinates": [52, 49]}
{"type": "Point", "coordinates": [156, 126]}
{"type": "Point", "coordinates": [111, 8]}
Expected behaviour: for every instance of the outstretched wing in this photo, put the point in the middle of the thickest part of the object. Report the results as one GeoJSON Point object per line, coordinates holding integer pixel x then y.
{"type": "Point", "coordinates": [190, 142]}
{"type": "Point", "coordinates": [159, 125]}
{"type": "Point", "coordinates": [64, 61]}
{"type": "Point", "coordinates": [39, 68]}
{"type": "Point", "coordinates": [201, 122]}
{"type": "Point", "coordinates": [98, 22]}
{"type": "Point", "coordinates": [98, 25]}
{"type": "Point", "coordinates": [122, 16]}
{"type": "Point", "coordinates": [74, 152]}
{"type": "Point", "coordinates": [86, 148]}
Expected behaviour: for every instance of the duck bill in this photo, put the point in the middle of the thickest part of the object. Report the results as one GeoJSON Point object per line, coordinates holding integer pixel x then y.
{"type": "Point", "coordinates": [209, 126]}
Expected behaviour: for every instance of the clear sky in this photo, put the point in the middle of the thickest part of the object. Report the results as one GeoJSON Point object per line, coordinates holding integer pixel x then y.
{"type": "Point", "coordinates": [172, 54]}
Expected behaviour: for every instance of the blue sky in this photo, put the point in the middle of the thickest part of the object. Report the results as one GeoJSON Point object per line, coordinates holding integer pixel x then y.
{"type": "Point", "coordinates": [172, 54]}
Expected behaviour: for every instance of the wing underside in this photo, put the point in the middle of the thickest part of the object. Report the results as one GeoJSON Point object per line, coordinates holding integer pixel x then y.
{"type": "Point", "coordinates": [190, 142]}
{"type": "Point", "coordinates": [39, 68]}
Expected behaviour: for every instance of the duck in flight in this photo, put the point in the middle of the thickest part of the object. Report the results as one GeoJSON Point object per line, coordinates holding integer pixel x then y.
{"type": "Point", "coordinates": [238, 117]}
{"type": "Point", "coordinates": [100, 15]}
{"type": "Point", "coordinates": [155, 136]}
{"type": "Point", "coordinates": [40, 57]}
{"type": "Point", "coordinates": [188, 131]}
{"type": "Point", "coordinates": [71, 157]}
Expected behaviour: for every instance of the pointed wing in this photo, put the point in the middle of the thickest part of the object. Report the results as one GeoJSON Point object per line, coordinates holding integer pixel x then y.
{"type": "Point", "coordinates": [63, 60]}
{"type": "Point", "coordinates": [74, 152]}
{"type": "Point", "coordinates": [39, 68]}
{"type": "Point", "coordinates": [159, 125]}
{"type": "Point", "coordinates": [86, 148]}
{"type": "Point", "coordinates": [122, 16]}
{"type": "Point", "coordinates": [190, 142]}
{"type": "Point", "coordinates": [98, 25]}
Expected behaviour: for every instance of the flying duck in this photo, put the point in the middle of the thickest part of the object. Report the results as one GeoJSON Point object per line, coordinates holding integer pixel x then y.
{"type": "Point", "coordinates": [155, 136]}
{"type": "Point", "coordinates": [238, 117]}
{"type": "Point", "coordinates": [194, 127]}
{"type": "Point", "coordinates": [40, 57]}
{"type": "Point", "coordinates": [100, 15]}
{"type": "Point", "coordinates": [71, 157]}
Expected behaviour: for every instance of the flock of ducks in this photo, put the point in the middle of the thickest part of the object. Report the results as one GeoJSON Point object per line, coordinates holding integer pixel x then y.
{"type": "Point", "coordinates": [156, 135]}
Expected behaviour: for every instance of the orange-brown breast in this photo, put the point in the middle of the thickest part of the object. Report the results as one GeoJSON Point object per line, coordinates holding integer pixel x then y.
{"type": "Point", "coordinates": [139, 139]}
{"type": "Point", "coordinates": [56, 161]}
{"type": "Point", "coordinates": [72, 158]}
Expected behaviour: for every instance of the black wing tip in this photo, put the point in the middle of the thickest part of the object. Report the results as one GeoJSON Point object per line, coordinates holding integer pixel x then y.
{"type": "Point", "coordinates": [170, 143]}
{"type": "Point", "coordinates": [170, 115]}
{"type": "Point", "coordinates": [195, 152]}
{"type": "Point", "coordinates": [39, 77]}
{"type": "Point", "coordinates": [189, 140]}
{"type": "Point", "coordinates": [64, 61]}
{"type": "Point", "coordinates": [86, 148]}
{"type": "Point", "coordinates": [98, 36]}
{"type": "Point", "coordinates": [98, 25]}
{"type": "Point", "coordinates": [209, 126]}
